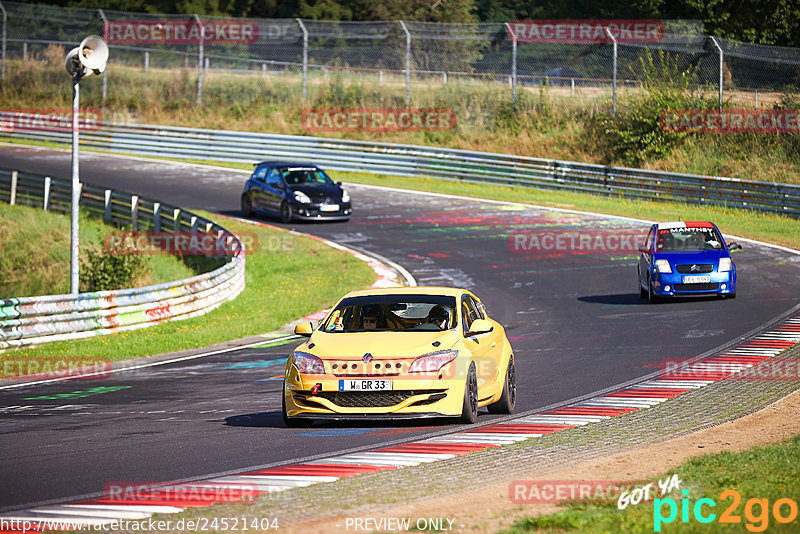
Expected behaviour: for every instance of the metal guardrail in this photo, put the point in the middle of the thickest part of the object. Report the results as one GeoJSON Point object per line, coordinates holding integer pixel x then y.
{"type": "Point", "coordinates": [410, 160]}
{"type": "Point", "coordinates": [31, 320]}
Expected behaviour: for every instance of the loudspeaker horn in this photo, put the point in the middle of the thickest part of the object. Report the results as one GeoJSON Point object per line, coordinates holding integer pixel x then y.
{"type": "Point", "coordinates": [93, 53]}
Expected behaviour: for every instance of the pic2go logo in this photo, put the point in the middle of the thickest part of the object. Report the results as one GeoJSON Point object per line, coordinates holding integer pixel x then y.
{"type": "Point", "coordinates": [756, 511]}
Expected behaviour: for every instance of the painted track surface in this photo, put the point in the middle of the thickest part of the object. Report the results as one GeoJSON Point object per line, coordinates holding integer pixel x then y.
{"type": "Point", "coordinates": [576, 324]}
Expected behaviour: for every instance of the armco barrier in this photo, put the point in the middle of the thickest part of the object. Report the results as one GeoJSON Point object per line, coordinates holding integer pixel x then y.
{"type": "Point", "coordinates": [410, 160]}
{"type": "Point", "coordinates": [29, 320]}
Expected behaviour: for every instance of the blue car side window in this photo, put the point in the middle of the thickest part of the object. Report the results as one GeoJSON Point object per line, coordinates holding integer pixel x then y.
{"type": "Point", "coordinates": [273, 177]}
{"type": "Point", "coordinates": [260, 173]}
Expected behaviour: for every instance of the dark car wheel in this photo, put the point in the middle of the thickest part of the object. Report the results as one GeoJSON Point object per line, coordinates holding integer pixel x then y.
{"type": "Point", "coordinates": [469, 412]}
{"type": "Point", "coordinates": [509, 397]}
{"type": "Point", "coordinates": [247, 206]}
{"type": "Point", "coordinates": [652, 298]}
{"type": "Point", "coordinates": [286, 212]}
{"type": "Point", "coordinates": [642, 291]}
{"type": "Point", "coordinates": [293, 422]}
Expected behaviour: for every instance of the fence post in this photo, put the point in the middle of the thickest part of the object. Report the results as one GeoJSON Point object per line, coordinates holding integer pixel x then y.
{"type": "Point", "coordinates": [721, 67]}
{"type": "Point", "coordinates": [614, 79]}
{"type": "Point", "coordinates": [135, 213]}
{"type": "Point", "coordinates": [14, 176]}
{"type": "Point", "coordinates": [305, 57]}
{"type": "Point", "coordinates": [107, 206]}
{"type": "Point", "coordinates": [47, 182]}
{"type": "Point", "coordinates": [25, 51]}
{"type": "Point", "coordinates": [105, 36]}
{"type": "Point", "coordinates": [146, 60]}
{"type": "Point", "coordinates": [408, 62]}
{"type": "Point", "coordinates": [3, 62]}
{"type": "Point", "coordinates": [513, 65]}
{"type": "Point", "coordinates": [156, 216]}
{"type": "Point", "coordinates": [199, 63]}
{"type": "Point", "coordinates": [208, 66]}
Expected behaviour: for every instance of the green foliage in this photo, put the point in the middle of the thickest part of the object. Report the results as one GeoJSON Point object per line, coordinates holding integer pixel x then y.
{"type": "Point", "coordinates": [636, 135]}
{"type": "Point", "coordinates": [103, 271]}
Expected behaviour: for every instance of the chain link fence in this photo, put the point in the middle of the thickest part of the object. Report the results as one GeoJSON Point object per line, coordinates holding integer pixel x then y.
{"type": "Point", "coordinates": [470, 68]}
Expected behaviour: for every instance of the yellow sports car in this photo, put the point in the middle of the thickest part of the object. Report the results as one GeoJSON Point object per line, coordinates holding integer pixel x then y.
{"type": "Point", "coordinates": [400, 353]}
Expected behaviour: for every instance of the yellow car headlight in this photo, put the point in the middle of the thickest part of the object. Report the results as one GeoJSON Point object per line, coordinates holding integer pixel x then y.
{"type": "Point", "coordinates": [307, 364]}
{"type": "Point", "coordinates": [431, 363]}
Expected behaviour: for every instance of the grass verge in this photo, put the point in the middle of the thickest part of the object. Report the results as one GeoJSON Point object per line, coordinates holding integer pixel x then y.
{"type": "Point", "coordinates": [760, 476]}
{"type": "Point", "coordinates": [35, 258]}
{"type": "Point", "coordinates": [287, 277]}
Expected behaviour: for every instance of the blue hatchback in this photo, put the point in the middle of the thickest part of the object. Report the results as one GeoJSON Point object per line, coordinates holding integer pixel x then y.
{"type": "Point", "coordinates": [295, 191]}
{"type": "Point", "coordinates": [686, 259]}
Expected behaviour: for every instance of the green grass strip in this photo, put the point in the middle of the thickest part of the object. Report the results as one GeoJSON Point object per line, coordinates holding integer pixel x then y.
{"type": "Point", "coordinates": [765, 474]}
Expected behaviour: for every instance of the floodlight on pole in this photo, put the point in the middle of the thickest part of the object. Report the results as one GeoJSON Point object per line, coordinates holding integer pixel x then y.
{"type": "Point", "coordinates": [90, 57]}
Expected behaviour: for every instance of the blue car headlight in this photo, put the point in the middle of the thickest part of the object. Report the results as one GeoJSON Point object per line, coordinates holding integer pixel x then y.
{"type": "Point", "coordinates": [724, 265]}
{"type": "Point", "coordinates": [301, 197]}
{"type": "Point", "coordinates": [663, 267]}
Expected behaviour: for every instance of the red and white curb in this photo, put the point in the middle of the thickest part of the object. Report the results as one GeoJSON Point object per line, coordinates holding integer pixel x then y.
{"type": "Point", "coordinates": [734, 360]}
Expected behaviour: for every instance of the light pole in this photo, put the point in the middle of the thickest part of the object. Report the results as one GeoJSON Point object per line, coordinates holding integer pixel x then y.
{"type": "Point", "coordinates": [88, 58]}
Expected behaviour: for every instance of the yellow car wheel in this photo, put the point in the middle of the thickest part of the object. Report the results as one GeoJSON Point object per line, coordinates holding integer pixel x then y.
{"type": "Point", "coordinates": [508, 399]}
{"type": "Point", "coordinates": [469, 412]}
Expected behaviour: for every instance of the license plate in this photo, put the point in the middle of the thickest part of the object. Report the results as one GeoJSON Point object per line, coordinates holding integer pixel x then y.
{"type": "Point", "coordinates": [365, 385]}
{"type": "Point", "coordinates": [329, 207]}
{"type": "Point", "coordinates": [696, 279]}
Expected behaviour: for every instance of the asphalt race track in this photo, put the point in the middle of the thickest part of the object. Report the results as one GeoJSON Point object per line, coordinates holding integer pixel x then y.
{"type": "Point", "coordinates": [575, 320]}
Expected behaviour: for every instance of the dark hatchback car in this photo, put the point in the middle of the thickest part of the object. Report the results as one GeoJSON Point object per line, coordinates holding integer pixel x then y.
{"type": "Point", "coordinates": [295, 191]}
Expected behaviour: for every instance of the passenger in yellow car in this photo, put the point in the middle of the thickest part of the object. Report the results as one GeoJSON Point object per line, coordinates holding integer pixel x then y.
{"type": "Point", "coordinates": [438, 316]}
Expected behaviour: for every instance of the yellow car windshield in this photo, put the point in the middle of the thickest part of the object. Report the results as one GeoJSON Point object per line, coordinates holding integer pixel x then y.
{"type": "Point", "coordinates": [392, 313]}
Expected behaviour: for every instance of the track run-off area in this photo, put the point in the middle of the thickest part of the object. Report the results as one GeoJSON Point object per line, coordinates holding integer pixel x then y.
{"type": "Point", "coordinates": [576, 322]}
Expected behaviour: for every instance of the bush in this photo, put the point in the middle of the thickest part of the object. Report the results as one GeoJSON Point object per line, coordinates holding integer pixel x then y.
{"type": "Point", "coordinates": [102, 271]}
{"type": "Point", "coordinates": [635, 135]}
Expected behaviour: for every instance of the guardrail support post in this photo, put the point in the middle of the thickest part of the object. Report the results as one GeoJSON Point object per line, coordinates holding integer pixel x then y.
{"type": "Point", "coordinates": [105, 36]}
{"type": "Point", "coordinates": [46, 200]}
{"type": "Point", "coordinates": [193, 223]}
{"type": "Point", "coordinates": [305, 57]}
{"type": "Point", "coordinates": [13, 197]}
{"type": "Point", "coordinates": [135, 213]}
{"type": "Point", "coordinates": [176, 218]}
{"type": "Point", "coordinates": [614, 79]}
{"type": "Point", "coordinates": [513, 65]}
{"type": "Point", "coordinates": [199, 63]}
{"type": "Point", "coordinates": [721, 67]}
{"type": "Point", "coordinates": [107, 205]}
{"type": "Point", "coordinates": [408, 61]}
{"type": "Point", "coordinates": [3, 62]}
{"type": "Point", "coordinates": [157, 216]}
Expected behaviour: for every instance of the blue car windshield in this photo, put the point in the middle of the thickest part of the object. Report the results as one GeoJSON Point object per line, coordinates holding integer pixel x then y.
{"type": "Point", "coordinates": [304, 176]}
{"type": "Point", "coordinates": [392, 313]}
{"type": "Point", "coordinates": [688, 239]}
